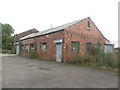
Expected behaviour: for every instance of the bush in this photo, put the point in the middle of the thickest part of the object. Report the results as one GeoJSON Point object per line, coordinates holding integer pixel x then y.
{"type": "Point", "coordinates": [86, 59]}
{"type": "Point", "coordinates": [32, 54]}
{"type": "Point", "coordinates": [6, 51]}
{"type": "Point", "coordinates": [111, 60]}
{"type": "Point", "coordinates": [89, 59]}
{"type": "Point", "coordinates": [94, 51]}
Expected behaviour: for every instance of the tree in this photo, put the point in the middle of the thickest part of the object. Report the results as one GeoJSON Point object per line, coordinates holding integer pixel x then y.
{"type": "Point", "coordinates": [7, 38]}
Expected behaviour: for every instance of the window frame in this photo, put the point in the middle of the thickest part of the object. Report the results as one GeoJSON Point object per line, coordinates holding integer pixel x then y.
{"type": "Point", "coordinates": [76, 48]}
{"type": "Point", "coordinates": [41, 47]}
{"type": "Point", "coordinates": [27, 47]}
{"type": "Point", "coordinates": [32, 47]}
{"type": "Point", "coordinates": [90, 47]}
{"type": "Point", "coordinates": [88, 25]}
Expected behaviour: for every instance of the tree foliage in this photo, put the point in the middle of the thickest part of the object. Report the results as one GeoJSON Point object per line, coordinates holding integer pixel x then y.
{"type": "Point", "coordinates": [7, 38]}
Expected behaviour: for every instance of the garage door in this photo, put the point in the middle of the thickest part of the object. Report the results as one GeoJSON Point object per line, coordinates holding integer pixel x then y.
{"type": "Point", "coordinates": [17, 49]}
{"type": "Point", "coordinates": [59, 52]}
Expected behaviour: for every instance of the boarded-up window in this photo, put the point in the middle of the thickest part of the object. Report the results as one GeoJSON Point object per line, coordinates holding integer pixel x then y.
{"type": "Point", "coordinates": [88, 47]}
{"type": "Point", "coordinates": [75, 46]}
{"type": "Point", "coordinates": [43, 46]}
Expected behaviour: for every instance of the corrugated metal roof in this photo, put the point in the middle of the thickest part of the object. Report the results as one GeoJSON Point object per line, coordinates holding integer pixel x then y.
{"type": "Point", "coordinates": [58, 28]}
{"type": "Point", "coordinates": [28, 36]}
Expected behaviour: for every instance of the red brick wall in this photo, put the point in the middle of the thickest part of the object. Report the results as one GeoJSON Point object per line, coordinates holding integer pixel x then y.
{"type": "Point", "coordinates": [79, 33]}
{"type": "Point", "coordinates": [26, 42]}
{"type": "Point", "coordinates": [26, 33]}
{"type": "Point", "coordinates": [51, 46]}
{"type": "Point", "coordinates": [20, 35]}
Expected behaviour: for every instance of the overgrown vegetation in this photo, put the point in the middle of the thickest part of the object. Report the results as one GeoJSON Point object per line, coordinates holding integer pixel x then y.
{"type": "Point", "coordinates": [109, 61]}
{"type": "Point", "coordinates": [32, 54]}
{"type": "Point", "coordinates": [6, 51]}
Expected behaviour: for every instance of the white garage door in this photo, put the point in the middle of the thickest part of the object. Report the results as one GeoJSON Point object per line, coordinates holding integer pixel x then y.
{"type": "Point", "coordinates": [59, 52]}
{"type": "Point", "coordinates": [17, 49]}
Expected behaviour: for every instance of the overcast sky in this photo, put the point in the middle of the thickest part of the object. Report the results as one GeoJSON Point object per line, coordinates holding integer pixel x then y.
{"type": "Point", "coordinates": [40, 14]}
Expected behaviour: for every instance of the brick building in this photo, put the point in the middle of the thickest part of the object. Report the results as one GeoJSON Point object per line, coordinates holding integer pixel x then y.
{"type": "Point", "coordinates": [16, 43]}
{"type": "Point", "coordinates": [63, 42]}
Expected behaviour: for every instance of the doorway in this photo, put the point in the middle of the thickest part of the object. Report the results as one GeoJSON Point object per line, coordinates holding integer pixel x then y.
{"type": "Point", "coordinates": [59, 52]}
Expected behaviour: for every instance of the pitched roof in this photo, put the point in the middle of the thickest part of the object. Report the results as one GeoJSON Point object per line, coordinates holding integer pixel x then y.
{"type": "Point", "coordinates": [58, 28]}
{"type": "Point", "coordinates": [25, 33]}
{"type": "Point", "coordinates": [28, 36]}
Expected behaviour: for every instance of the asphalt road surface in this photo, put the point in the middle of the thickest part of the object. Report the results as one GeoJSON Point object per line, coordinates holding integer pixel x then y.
{"type": "Point", "coordinates": [21, 72]}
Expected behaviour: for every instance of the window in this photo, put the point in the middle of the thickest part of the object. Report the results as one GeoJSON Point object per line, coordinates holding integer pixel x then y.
{"type": "Point", "coordinates": [75, 46]}
{"type": "Point", "coordinates": [43, 46]}
{"type": "Point", "coordinates": [27, 47]}
{"type": "Point", "coordinates": [88, 47]}
{"type": "Point", "coordinates": [32, 47]}
{"type": "Point", "coordinates": [88, 24]}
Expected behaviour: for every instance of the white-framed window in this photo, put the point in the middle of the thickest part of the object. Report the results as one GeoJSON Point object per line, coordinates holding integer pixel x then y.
{"type": "Point", "coordinates": [43, 46]}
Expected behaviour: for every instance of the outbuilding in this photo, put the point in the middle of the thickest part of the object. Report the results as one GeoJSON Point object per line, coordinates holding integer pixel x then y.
{"type": "Point", "coordinates": [64, 42]}
{"type": "Point", "coordinates": [16, 43]}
